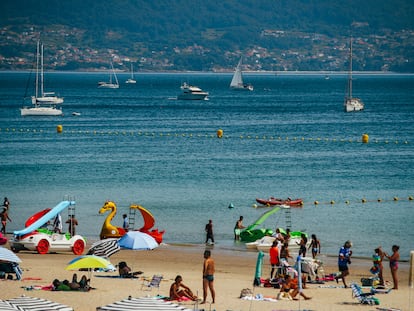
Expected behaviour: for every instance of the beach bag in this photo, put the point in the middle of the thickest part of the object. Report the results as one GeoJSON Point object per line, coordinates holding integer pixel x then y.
{"type": "Point", "coordinates": [367, 281]}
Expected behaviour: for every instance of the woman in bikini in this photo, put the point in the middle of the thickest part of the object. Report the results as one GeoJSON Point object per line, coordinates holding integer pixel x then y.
{"type": "Point", "coordinates": [315, 246]}
{"type": "Point", "coordinates": [394, 258]}
{"type": "Point", "coordinates": [178, 290]}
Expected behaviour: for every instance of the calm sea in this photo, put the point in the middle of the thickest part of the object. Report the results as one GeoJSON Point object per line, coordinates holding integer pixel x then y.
{"type": "Point", "coordinates": [288, 138]}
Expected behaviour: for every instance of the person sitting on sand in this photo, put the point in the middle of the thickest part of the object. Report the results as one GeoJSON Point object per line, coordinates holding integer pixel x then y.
{"type": "Point", "coordinates": [60, 286]}
{"type": "Point", "coordinates": [83, 284]}
{"type": "Point", "coordinates": [125, 271]}
{"type": "Point", "coordinates": [290, 289]}
{"type": "Point", "coordinates": [178, 290]}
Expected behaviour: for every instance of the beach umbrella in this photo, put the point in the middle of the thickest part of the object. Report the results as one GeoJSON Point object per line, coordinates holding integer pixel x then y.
{"type": "Point", "coordinates": [137, 240]}
{"type": "Point", "coordinates": [5, 306]}
{"type": "Point", "coordinates": [8, 255]}
{"type": "Point", "coordinates": [147, 304]}
{"type": "Point", "coordinates": [24, 303]}
{"type": "Point", "coordinates": [89, 262]}
{"type": "Point", "coordinates": [104, 248]}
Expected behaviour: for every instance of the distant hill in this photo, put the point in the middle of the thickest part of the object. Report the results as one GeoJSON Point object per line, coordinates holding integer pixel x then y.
{"type": "Point", "coordinates": [207, 34]}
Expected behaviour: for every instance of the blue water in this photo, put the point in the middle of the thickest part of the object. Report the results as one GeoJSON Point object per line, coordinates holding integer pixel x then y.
{"type": "Point", "coordinates": [290, 137]}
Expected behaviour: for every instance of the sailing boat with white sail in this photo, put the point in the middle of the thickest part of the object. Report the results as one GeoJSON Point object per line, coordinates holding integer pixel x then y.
{"type": "Point", "coordinates": [113, 80]}
{"type": "Point", "coordinates": [352, 103]}
{"type": "Point", "coordinates": [44, 103]}
{"type": "Point", "coordinates": [131, 80]}
{"type": "Point", "coordinates": [237, 80]}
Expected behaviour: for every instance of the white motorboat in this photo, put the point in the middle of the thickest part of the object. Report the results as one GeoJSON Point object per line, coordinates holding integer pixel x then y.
{"type": "Point", "coordinates": [191, 92]}
{"type": "Point", "coordinates": [113, 80]}
{"type": "Point", "coordinates": [352, 103]}
{"type": "Point", "coordinates": [43, 103]}
{"type": "Point", "coordinates": [237, 80]}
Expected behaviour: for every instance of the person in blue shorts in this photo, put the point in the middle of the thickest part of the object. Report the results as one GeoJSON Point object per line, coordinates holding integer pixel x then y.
{"type": "Point", "coordinates": [344, 258]}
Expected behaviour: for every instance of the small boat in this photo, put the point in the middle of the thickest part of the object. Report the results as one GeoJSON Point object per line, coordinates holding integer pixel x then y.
{"type": "Point", "coordinates": [111, 84]}
{"type": "Point", "coordinates": [237, 80]}
{"type": "Point", "coordinates": [191, 92]}
{"type": "Point", "coordinates": [276, 201]}
{"type": "Point", "coordinates": [352, 103]}
{"type": "Point", "coordinates": [131, 80]}
{"type": "Point", "coordinates": [76, 113]}
{"type": "Point", "coordinates": [43, 103]}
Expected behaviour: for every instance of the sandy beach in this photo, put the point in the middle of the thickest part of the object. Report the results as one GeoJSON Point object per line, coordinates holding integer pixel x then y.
{"type": "Point", "coordinates": [234, 272]}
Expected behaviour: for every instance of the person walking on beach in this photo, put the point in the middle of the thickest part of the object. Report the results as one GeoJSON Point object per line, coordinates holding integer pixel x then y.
{"type": "Point", "coordinates": [344, 258]}
{"type": "Point", "coordinates": [315, 246]}
{"type": "Point", "coordinates": [73, 222]}
{"type": "Point", "coordinates": [237, 228]}
{"type": "Point", "coordinates": [274, 257]}
{"type": "Point", "coordinates": [4, 216]}
{"type": "Point", "coordinates": [394, 258]}
{"type": "Point", "coordinates": [209, 232]}
{"type": "Point", "coordinates": [208, 277]}
{"type": "Point", "coordinates": [125, 224]}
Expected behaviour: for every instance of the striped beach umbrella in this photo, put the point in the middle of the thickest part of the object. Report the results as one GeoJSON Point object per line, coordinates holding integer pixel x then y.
{"type": "Point", "coordinates": [5, 306]}
{"type": "Point", "coordinates": [105, 248]}
{"type": "Point", "coordinates": [8, 255]}
{"type": "Point", "coordinates": [24, 303]}
{"type": "Point", "coordinates": [147, 304]}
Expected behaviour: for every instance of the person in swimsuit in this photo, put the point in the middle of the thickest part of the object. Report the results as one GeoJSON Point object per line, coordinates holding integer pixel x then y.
{"type": "Point", "coordinates": [302, 245]}
{"type": "Point", "coordinates": [179, 290]}
{"type": "Point", "coordinates": [378, 268]}
{"type": "Point", "coordinates": [208, 276]}
{"type": "Point", "coordinates": [394, 264]}
{"type": "Point", "coordinates": [4, 216]}
{"type": "Point", "coordinates": [315, 246]}
{"type": "Point", "coordinates": [237, 228]}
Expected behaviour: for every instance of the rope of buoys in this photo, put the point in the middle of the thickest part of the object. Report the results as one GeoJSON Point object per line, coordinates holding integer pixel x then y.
{"type": "Point", "coordinates": [219, 134]}
{"type": "Point", "coordinates": [364, 200]}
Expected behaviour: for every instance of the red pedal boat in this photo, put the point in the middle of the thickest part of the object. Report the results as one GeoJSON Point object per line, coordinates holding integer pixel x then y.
{"type": "Point", "coordinates": [276, 201]}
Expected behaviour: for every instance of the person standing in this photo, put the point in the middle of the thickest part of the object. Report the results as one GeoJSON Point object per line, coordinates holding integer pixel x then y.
{"type": "Point", "coordinates": [394, 258]}
{"type": "Point", "coordinates": [209, 232]}
{"type": "Point", "coordinates": [4, 216]}
{"type": "Point", "coordinates": [302, 245]}
{"type": "Point", "coordinates": [125, 224]}
{"type": "Point", "coordinates": [237, 228]}
{"type": "Point", "coordinates": [73, 222]}
{"type": "Point", "coordinates": [315, 245]}
{"type": "Point", "coordinates": [6, 203]}
{"type": "Point", "coordinates": [208, 277]}
{"type": "Point", "coordinates": [57, 224]}
{"type": "Point", "coordinates": [274, 257]}
{"type": "Point", "coordinates": [378, 268]}
{"type": "Point", "coordinates": [344, 258]}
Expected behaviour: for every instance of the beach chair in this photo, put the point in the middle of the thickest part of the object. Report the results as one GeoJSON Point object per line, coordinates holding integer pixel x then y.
{"type": "Point", "coordinates": [363, 298]}
{"type": "Point", "coordinates": [154, 282]}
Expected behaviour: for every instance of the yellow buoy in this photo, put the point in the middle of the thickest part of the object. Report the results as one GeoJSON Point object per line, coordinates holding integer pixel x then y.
{"type": "Point", "coordinates": [365, 138]}
{"type": "Point", "coordinates": [219, 133]}
{"type": "Point", "coordinates": [332, 202]}
{"type": "Point", "coordinates": [364, 200]}
{"type": "Point", "coordinates": [59, 128]}
{"type": "Point", "coordinates": [316, 202]}
{"type": "Point", "coordinates": [410, 198]}
{"type": "Point", "coordinates": [346, 202]}
{"type": "Point", "coordinates": [395, 198]}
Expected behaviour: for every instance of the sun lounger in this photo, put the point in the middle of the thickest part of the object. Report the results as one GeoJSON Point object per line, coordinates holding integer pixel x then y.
{"type": "Point", "coordinates": [363, 298]}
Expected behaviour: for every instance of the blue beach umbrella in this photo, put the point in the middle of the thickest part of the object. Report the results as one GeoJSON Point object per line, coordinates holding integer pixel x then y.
{"type": "Point", "coordinates": [137, 240]}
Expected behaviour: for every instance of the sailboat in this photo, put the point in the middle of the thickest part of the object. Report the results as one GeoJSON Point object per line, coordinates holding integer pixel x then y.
{"type": "Point", "coordinates": [237, 80]}
{"type": "Point", "coordinates": [351, 103]}
{"type": "Point", "coordinates": [111, 84]}
{"type": "Point", "coordinates": [43, 103]}
{"type": "Point", "coordinates": [131, 80]}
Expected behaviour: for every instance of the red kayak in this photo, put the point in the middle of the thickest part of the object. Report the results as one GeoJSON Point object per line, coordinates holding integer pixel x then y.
{"type": "Point", "coordinates": [275, 201]}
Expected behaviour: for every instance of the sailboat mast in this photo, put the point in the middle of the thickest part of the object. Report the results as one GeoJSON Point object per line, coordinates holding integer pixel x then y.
{"type": "Point", "coordinates": [37, 69]}
{"type": "Point", "coordinates": [41, 71]}
{"type": "Point", "coordinates": [350, 70]}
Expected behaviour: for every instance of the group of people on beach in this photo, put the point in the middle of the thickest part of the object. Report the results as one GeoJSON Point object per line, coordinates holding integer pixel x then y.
{"type": "Point", "coordinates": [344, 259]}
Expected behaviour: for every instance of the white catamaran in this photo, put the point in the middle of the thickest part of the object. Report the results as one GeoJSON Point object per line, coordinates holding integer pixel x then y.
{"type": "Point", "coordinates": [43, 103]}
{"type": "Point", "coordinates": [237, 80]}
{"type": "Point", "coordinates": [351, 103]}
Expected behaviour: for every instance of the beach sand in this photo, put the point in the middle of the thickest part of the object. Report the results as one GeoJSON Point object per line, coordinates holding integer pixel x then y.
{"type": "Point", "coordinates": [234, 272]}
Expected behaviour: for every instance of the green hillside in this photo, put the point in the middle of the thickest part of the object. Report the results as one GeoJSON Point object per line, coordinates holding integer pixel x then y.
{"type": "Point", "coordinates": [209, 35]}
